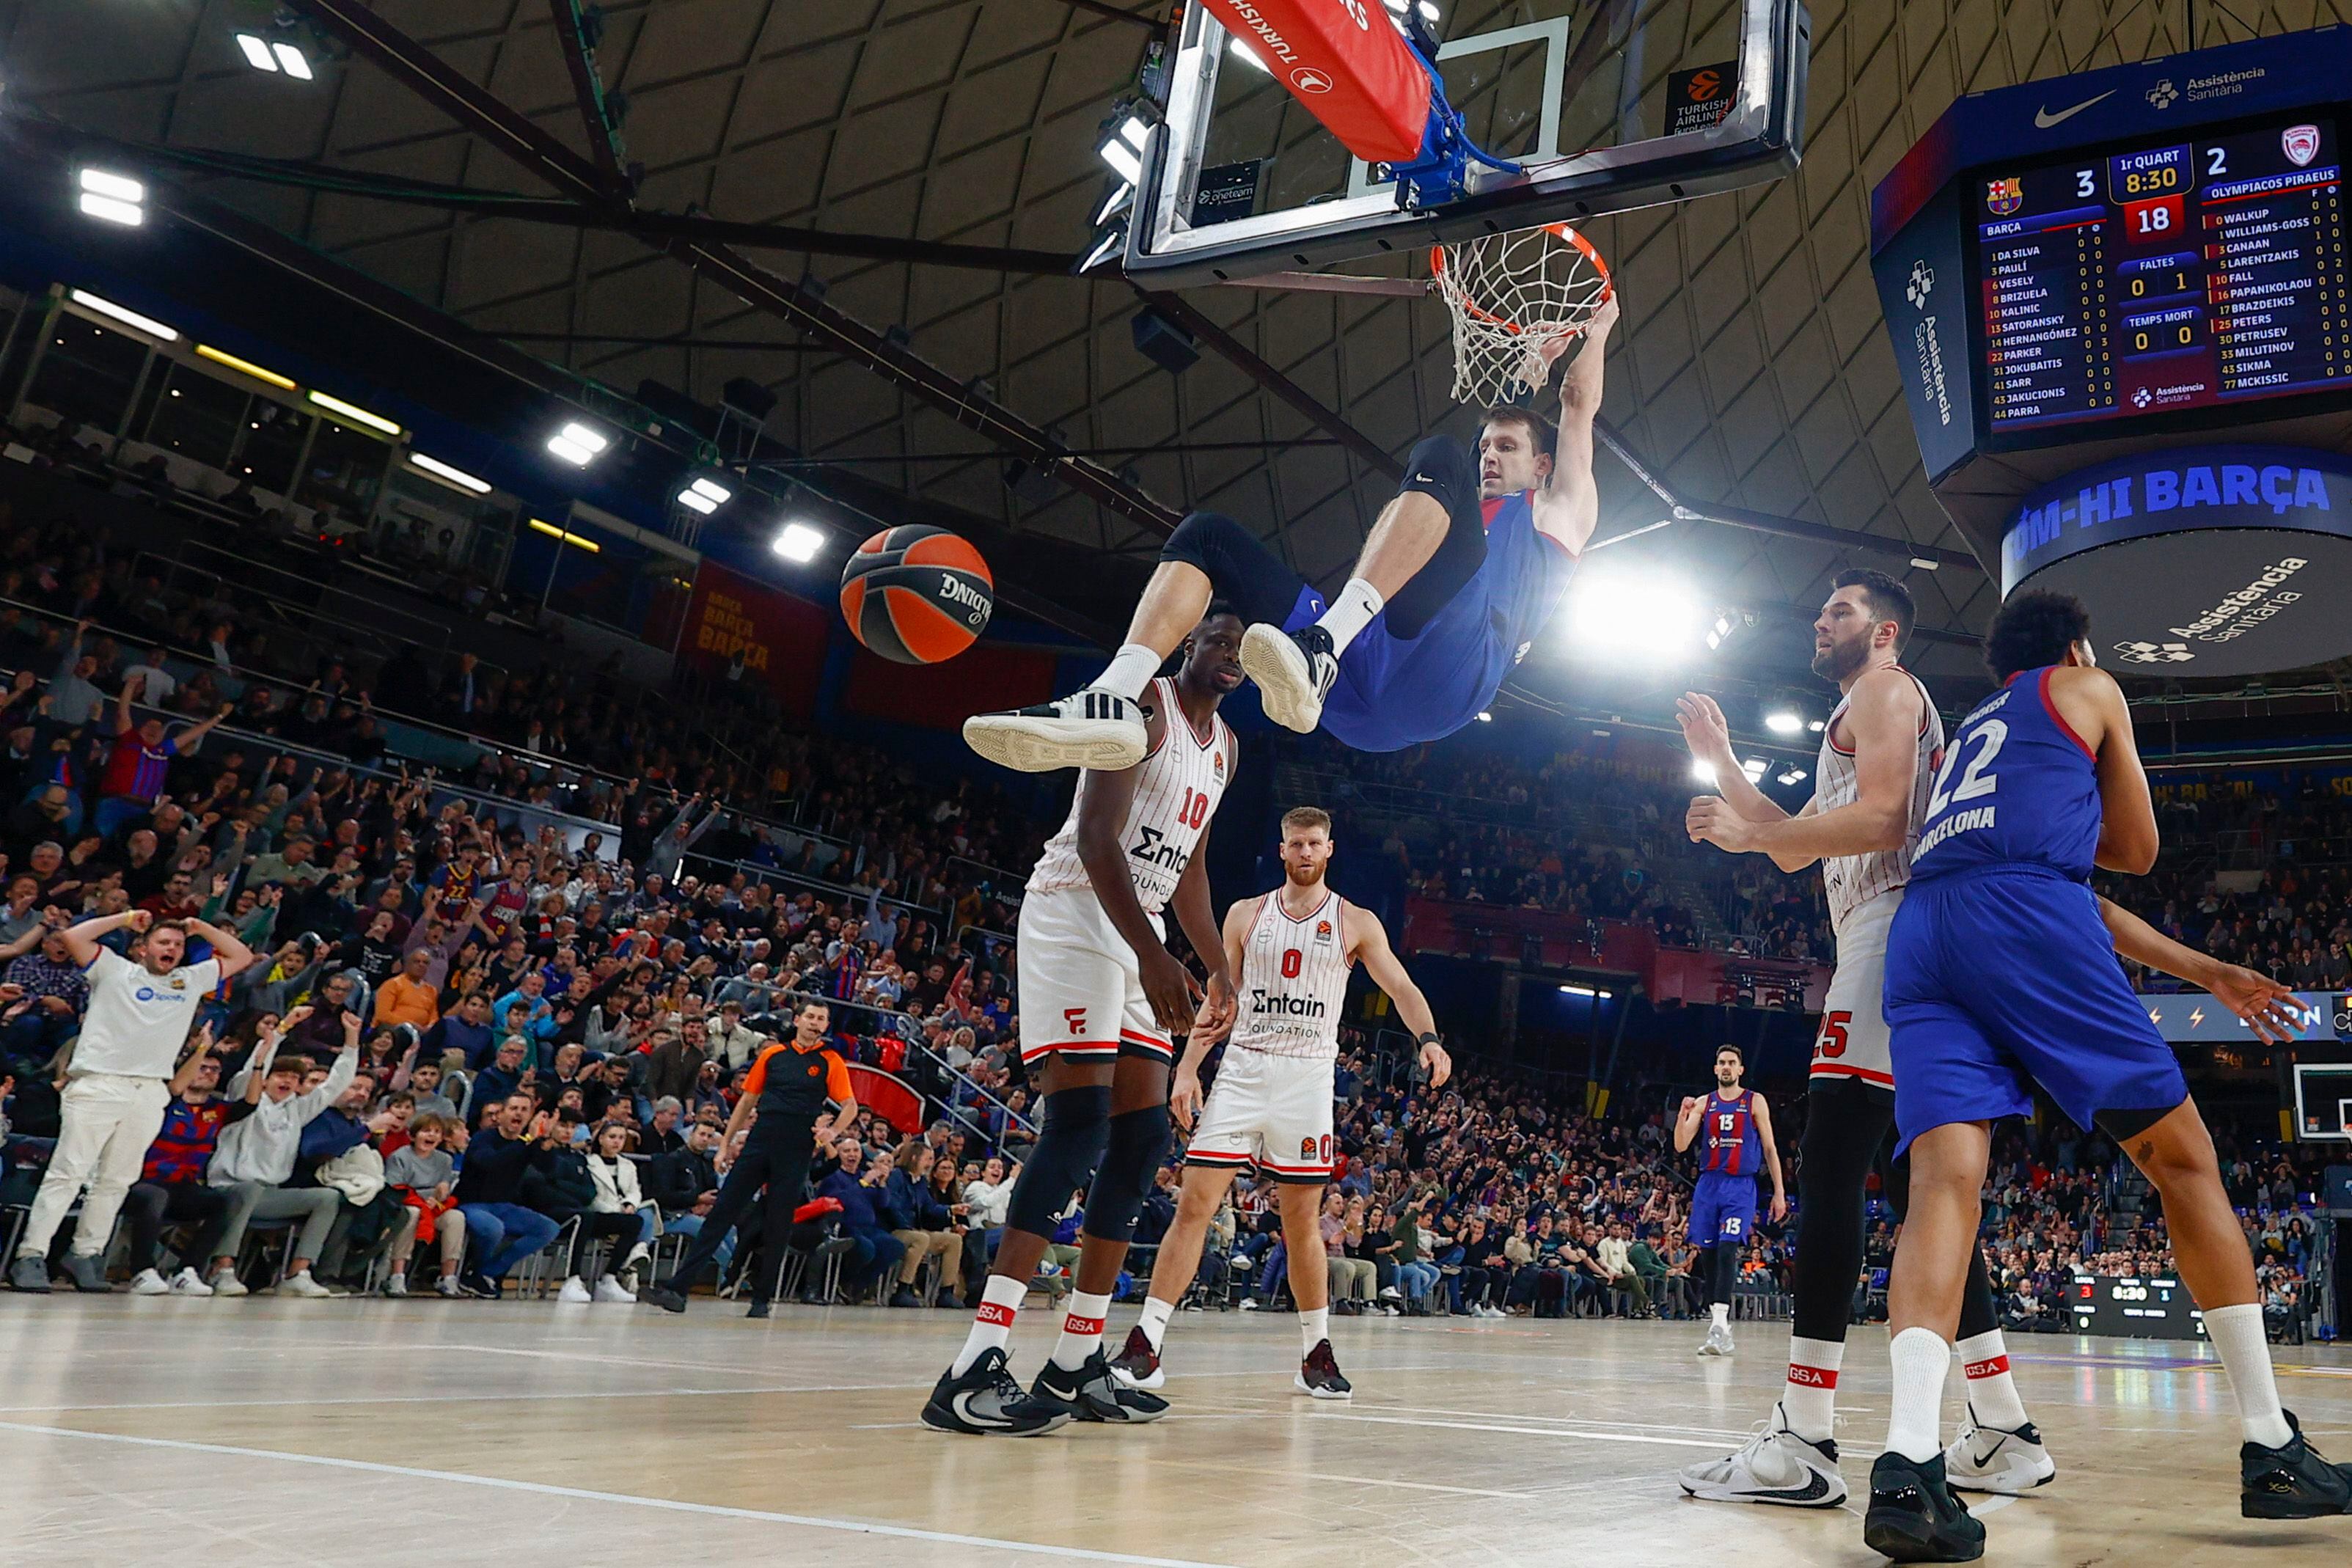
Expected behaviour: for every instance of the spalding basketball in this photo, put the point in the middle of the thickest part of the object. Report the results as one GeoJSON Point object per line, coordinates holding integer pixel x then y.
{"type": "Point", "coordinates": [917, 595]}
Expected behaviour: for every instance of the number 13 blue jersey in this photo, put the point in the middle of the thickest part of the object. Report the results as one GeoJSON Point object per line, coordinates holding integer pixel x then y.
{"type": "Point", "coordinates": [2017, 786]}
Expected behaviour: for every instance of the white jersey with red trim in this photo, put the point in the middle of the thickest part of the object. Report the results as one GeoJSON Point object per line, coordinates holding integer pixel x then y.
{"type": "Point", "coordinates": [1853, 880]}
{"type": "Point", "coordinates": [1176, 793]}
{"type": "Point", "coordinates": [1294, 979]}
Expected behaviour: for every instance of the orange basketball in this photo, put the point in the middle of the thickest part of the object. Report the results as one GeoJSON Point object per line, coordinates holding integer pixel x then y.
{"type": "Point", "coordinates": [917, 595]}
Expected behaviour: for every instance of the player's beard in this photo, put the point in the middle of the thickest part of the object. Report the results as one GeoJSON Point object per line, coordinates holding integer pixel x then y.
{"type": "Point", "coordinates": [1840, 659]}
{"type": "Point", "coordinates": [1306, 875]}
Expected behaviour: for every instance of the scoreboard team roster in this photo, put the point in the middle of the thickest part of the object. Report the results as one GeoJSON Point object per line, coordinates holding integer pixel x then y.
{"type": "Point", "coordinates": [2170, 275]}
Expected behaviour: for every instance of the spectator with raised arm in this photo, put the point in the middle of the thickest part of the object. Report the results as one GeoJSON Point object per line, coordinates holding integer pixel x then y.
{"type": "Point", "coordinates": [141, 1010]}
{"type": "Point", "coordinates": [257, 1155]}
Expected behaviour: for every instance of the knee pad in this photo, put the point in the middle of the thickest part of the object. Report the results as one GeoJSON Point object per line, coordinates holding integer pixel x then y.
{"type": "Point", "coordinates": [1070, 1139]}
{"type": "Point", "coordinates": [1444, 469]}
{"type": "Point", "coordinates": [1137, 1140]}
{"type": "Point", "coordinates": [1203, 539]}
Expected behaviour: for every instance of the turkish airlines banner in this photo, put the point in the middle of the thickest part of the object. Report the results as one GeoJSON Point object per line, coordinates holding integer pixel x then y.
{"type": "Point", "coordinates": [1346, 64]}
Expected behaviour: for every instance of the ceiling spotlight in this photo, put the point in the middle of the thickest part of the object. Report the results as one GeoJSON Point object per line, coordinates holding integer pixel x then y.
{"type": "Point", "coordinates": [116, 198]}
{"type": "Point", "coordinates": [1794, 775]}
{"type": "Point", "coordinates": [1484, 717]}
{"type": "Point", "coordinates": [1122, 147]}
{"type": "Point", "coordinates": [1703, 770]}
{"type": "Point", "coordinates": [1121, 197]}
{"type": "Point", "coordinates": [1635, 615]}
{"type": "Point", "coordinates": [291, 61]}
{"type": "Point", "coordinates": [257, 52]}
{"type": "Point", "coordinates": [1817, 726]}
{"type": "Point", "coordinates": [458, 478]}
{"type": "Point", "coordinates": [1593, 991]}
{"type": "Point", "coordinates": [357, 416]}
{"type": "Point", "coordinates": [1925, 564]}
{"type": "Point", "coordinates": [705, 496]}
{"type": "Point", "coordinates": [1754, 768]}
{"type": "Point", "coordinates": [1111, 242]}
{"type": "Point", "coordinates": [577, 445]}
{"type": "Point", "coordinates": [1784, 722]}
{"type": "Point", "coordinates": [1717, 633]}
{"type": "Point", "coordinates": [799, 543]}
{"type": "Point", "coordinates": [129, 317]}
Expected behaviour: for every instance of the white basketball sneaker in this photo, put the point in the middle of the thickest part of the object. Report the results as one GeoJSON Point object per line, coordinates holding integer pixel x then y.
{"type": "Point", "coordinates": [575, 1291]}
{"type": "Point", "coordinates": [1998, 1459]}
{"type": "Point", "coordinates": [1718, 1340]}
{"type": "Point", "coordinates": [1294, 671]}
{"type": "Point", "coordinates": [188, 1282]}
{"type": "Point", "coordinates": [612, 1292]}
{"type": "Point", "coordinates": [147, 1282]}
{"type": "Point", "coordinates": [1088, 729]}
{"type": "Point", "coordinates": [1775, 1466]}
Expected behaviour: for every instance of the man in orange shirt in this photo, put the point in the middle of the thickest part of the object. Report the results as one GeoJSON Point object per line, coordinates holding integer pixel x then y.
{"type": "Point", "coordinates": [408, 997]}
{"type": "Point", "coordinates": [790, 1083]}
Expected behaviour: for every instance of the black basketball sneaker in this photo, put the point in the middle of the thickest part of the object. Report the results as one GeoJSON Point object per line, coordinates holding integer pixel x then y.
{"type": "Point", "coordinates": [1137, 1365]}
{"type": "Point", "coordinates": [1088, 729]}
{"type": "Point", "coordinates": [1915, 1518]}
{"type": "Point", "coordinates": [2291, 1481]}
{"type": "Point", "coordinates": [1091, 1394]}
{"type": "Point", "coordinates": [1319, 1374]}
{"type": "Point", "coordinates": [987, 1400]}
{"type": "Point", "coordinates": [1294, 671]}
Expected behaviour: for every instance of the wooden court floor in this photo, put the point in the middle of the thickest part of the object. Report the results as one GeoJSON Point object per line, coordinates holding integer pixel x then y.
{"type": "Point", "coordinates": [167, 1431]}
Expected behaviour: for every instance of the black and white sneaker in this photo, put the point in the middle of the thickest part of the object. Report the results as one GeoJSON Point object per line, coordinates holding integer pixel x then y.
{"type": "Point", "coordinates": [1776, 1466]}
{"type": "Point", "coordinates": [1088, 729]}
{"type": "Point", "coordinates": [1091, 1394]}
{"type": "Point", "coordinates": [1319, 1374]}
{"type": "Point", "coordinates": [987, 1400]}
{"type": "Point", "coordinates": [1294, 671]}
{"type": "Point", "coordinates": [2007, 1460]}
{"type": "Point", "coordinates": [1137, 1365]}
{"type": "Point", "coordinates": [1915, 1518]}
{"type": "Point", "coordinates": [2291, 1481]}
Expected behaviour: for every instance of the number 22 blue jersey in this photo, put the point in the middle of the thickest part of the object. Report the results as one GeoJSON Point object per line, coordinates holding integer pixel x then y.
{"type": "Point", "coordinates": [2017, 786]}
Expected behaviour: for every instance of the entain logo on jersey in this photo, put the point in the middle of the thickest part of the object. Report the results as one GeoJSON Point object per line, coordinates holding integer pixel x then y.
{"type": "Point", "coordinates": [1264, 1003]}
{"type": "Point", "coordinates": [1154, 849]}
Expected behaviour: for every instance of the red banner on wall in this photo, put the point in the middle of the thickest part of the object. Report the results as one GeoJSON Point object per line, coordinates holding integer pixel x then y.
{"type": "Point", "coordinates": [981, 680]}
{"type": "Point", "coordinates": [782, 638]}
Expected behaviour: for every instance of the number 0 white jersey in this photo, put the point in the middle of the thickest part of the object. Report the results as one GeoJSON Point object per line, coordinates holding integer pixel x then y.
{"type": "Point", "coordinates": [1176, 793]}
{"type": "Point", "coordinates": [1853, 880]}
{"type": "Point", "coordinates": [1294, 979]}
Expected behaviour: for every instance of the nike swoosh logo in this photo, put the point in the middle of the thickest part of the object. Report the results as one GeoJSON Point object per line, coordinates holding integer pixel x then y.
{"type": "Point", "coordinates": [961, 1405]}
{"type": "Point", "coordinates": [1816, 1485]}
{"type": "Point", "coordinates": [2044, 119]}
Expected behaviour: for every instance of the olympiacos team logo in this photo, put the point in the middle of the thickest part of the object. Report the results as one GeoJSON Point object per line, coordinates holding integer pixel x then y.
{"type": "Point", "coordinates": [2300, 144]}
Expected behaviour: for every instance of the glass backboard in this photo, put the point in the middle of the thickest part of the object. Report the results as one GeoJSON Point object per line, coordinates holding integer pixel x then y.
{"type": "Point", "coordinates": [1607, 106]}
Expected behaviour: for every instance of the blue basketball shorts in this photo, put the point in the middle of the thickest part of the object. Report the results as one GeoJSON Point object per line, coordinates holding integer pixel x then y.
{"type": "Point", "coordinates": [1723, 1208]}
{"type": "Point", "coordinates": [2006, 977]}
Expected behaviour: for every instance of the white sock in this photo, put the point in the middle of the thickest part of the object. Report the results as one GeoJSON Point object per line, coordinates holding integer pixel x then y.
{"type": "Point", "coordinates": [2237, 1334]}
{"type": "Point", "coordinates": [1350, 613]}
{"type": "Point", "coordinates": [1154, 1322]}
{"type": "Point", "coordinates": [1082, 1330]}
{"type": "Point", "coordinates": [1993, 1392]}
{"type": "Point", "coordinates": [1314, 1328]}
{"type": "Point", "coordinates": [1808, 1402]}
{"type": "Point", "coordinates": [1915, 1424]}
{"type": "Point", "coordinates": [992, 1326]}
{"type": "Point", "coordinates": [1129, 671]}
{"type": "Point", "coordinates": [1721, 1313]}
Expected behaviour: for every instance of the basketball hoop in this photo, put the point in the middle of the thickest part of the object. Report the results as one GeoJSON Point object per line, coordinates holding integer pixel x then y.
{"type": "Point", "coordinates": [1513, 297]}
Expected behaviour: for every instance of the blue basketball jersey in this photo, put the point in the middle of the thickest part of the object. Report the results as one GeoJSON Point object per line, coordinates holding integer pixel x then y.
{"type": "Point", "coordinates": [2018, 786]}
{"type": "Point", "coordinates": [1733, 1146]}
{"type": "Point", "coordinates": [1394, 691]}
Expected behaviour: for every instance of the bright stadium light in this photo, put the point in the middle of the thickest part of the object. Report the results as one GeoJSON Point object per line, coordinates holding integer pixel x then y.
{"type": "Point", "coordinates": [353, 413]}
{"type": "Point", "coordinates": [1702, 771]}
{"type": "Point", "coordinates": [1784, 723]}
{"type": "Point", "coordinates": [1484, 717]}
{"type": "Point", "coordinates": [799, 543]}
{"type": "Point", "coordinates": [1794, 775]}
{"type": "Point", "coordinates": [257, 52]}
{"type": "Point", "coordinates": [115, 198]}
{"type": "Point", "coordinates": [1122, 149]}
{"type": "Point", "coordinates": [1635, 616]}
{"type": "Point", "coordinates": [455, 477]}
{"type": "Point", "coordinates": [1817, 726]}
{"type": "Point", "coordinates": [1592, 990]}
{"type": "Point", "coordinates": [1754, 768]}
{"type": "Point", "coordinates": [291, 61]}
{"type": "Point", "coordinates": [128, 316]}
{"type": "Point", "coordinates": [578, 445]}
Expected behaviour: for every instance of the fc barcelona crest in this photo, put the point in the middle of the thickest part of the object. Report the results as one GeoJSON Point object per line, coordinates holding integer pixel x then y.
{"type": "Point", "coordinates": [2003, 197]}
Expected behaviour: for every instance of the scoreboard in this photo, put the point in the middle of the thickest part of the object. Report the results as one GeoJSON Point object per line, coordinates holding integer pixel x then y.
{"type": "Point", "coordinates": [2188, 274]}
{"type": "Point", "coordinates": [2139, 1309]}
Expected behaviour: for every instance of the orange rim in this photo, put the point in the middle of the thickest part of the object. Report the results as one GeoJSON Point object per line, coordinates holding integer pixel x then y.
{"type": "Point", "coordinates": [1584, 247]}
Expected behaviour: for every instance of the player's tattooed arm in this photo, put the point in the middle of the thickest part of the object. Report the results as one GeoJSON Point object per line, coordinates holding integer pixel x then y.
{"type": "Point", "coordinates": [1882, 717]}
{"type": "Point", "coordinates": [1772, 1159]}
{"type": "Point", "coordinates": [2267, 1006]}
{"type": "Point", "coordinates": [1569, 504]}
{"type": "Point", "coordinates": [1388, 972]}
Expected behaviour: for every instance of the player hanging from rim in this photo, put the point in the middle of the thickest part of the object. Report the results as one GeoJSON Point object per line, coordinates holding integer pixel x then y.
{"type": "Point", "coordinates": [1291, 950]}
{"type": "Point", "coordinates": [1878, 756]}
{"type": "Point", "coordinates": [1461, 573]}
{"type": "Point", "coordinates": [1101, 998]}
{"type": "Point", "coordinates": [1737, 1125]}
{"type": "Point", "coordinates": [2002, 974]}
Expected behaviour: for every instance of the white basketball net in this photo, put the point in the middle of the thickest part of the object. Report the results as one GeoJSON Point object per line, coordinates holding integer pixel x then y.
{"type": "Point", "coordinates": [1514, 296]}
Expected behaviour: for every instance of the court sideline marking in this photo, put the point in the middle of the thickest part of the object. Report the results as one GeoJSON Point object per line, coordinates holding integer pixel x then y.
{"type": "Point", "coordinates": [582, 1494]}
